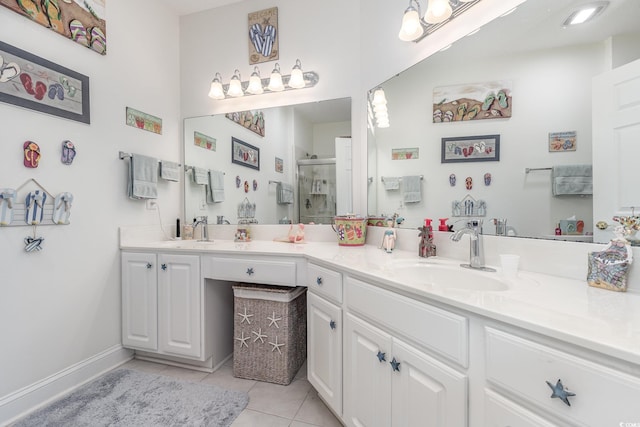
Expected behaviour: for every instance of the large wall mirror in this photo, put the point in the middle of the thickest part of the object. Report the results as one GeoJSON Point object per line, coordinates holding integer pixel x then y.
{"type": "Point", "coordinates": [287, 162]}
{"type": "Point", "coordinates": [548, 70]}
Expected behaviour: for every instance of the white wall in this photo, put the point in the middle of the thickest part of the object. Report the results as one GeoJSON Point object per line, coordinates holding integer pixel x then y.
{"type": "Point", "coordinates": [61, 306]}
{"type": "Point", "coordinates": [551, 93]}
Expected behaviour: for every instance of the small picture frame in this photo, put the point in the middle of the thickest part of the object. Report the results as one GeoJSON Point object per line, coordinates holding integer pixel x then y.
{"type": "Point", "coordinates": [562, 141]}
{"type": "Point", "coordinates": [279, 165]}
{"type": "Point", "coordinates": [481, 148]}
{"type": "Point", "coordinates": [405, 153]}
{"type": "Point", "coordinates": [245, 154]}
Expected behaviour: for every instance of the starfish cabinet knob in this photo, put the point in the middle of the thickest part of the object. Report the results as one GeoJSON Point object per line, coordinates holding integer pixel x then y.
{"type": "Point", "coordinates": [560, 392]}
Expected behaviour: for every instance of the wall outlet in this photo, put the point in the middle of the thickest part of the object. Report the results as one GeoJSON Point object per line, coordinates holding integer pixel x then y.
{"type": "Point", "coordinates": [152, 204]}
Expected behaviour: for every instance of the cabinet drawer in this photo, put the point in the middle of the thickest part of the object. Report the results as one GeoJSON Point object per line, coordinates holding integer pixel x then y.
{"type": "Point", "coordinates": [271, 272]}
{"type": "Point", "coordinates": [604, 396]}
{"type": "Point", "coordinates": [325, 282]}
{"type": "Point", "coordinates": [438, 330]}
{"type": "Point", "coordinates": [501, 412]}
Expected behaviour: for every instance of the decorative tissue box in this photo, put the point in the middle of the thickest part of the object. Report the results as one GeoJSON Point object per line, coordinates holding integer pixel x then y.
{"type": "Point", "coordinates": [609, 268]}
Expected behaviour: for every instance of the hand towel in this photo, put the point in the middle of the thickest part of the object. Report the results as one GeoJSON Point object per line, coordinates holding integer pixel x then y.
{"type": "Point", "coordinates": [169, 171]}
{"type": "Point", "coordinates": [572, 180]}
{"type": "Point", "coordinates": [284, 193]}
{"type": "Point", "coordinates": [391, 182]}
{"type": "Point", "coordinates": [143, 177]}
{"type": "Point", "coordinates": [411, 189]}
{"type": "Point", "coordinates": [200, 176]}
{"type": "Point", "coordinates": [215, 187]}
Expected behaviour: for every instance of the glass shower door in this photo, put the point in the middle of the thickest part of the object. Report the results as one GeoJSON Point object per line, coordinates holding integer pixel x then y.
{"type": "Point", "coordinates": [317, 191]}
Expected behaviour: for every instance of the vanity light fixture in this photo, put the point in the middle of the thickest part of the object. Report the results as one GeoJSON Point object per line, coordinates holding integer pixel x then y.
{"type": "Point", "coordinates": [585, 12]}
{"type": "Point", "coordinates": [256, 85]}
{"type": "Point", "coordinates": [416, 27]}
{"type": "Point", "coordinates": [379, 104]}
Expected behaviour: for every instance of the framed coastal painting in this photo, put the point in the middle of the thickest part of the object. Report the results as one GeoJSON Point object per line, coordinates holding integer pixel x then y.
{"type": "Point", "coordinates": [82, 21]}
{"type": "Point", "coordinates": [483, 148]}
{"type": "Point", "coordinates": [245, 154]}
{"type": "Point", "coordinates": [474, 101]}
{"type": "Point", "coordinates": [32, 82]}
{"type": "Point", "coordinates": [263, 36]}
{"type": "Point", "coordinates": [562, 141]}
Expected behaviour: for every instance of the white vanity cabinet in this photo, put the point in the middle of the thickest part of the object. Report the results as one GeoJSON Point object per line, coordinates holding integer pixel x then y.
{"type": "Point", "coordinates": [325, 334]}
{"type": "Point", "coordinates": [389, 381]}
{"type": "Point", "coordinates": [518, 368]}
{"type": "Point", "coordinates": [161, 303]}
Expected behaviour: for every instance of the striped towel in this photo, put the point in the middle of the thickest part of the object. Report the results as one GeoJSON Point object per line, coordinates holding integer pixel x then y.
{"type": "Point", "coordinates": [169, 171]}
{"type": "Point", "coordinates": [200, 176]}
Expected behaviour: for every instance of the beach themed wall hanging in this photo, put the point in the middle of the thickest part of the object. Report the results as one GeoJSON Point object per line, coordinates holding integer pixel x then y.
{"type": "Point", "coordinates": [81, 21]}
{"type": "Point", "coordinates": [32, 154]}
{"type": "Point", "coordinates": [474, 101]}
{"type": "Point", "coordinates": [263, 36]}
{"type": "Point", "coordinates": [482, 148]}
{"type": "Point", "coordinates": [562, 141]}
{"type": "Point", "coordinates": [68, 152]}
{"type": "Point", "coordinates": [252, 120]}
{"type": "Point", "coordinates": [204, 141]}
{"type": "Point", "coordinates": [140, 120]}
{"type": "Point", "coordinates": [32, 82]}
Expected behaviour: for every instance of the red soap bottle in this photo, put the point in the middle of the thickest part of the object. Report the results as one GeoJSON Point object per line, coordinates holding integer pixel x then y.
{"type": "Point", "coordinates": [443, 224]}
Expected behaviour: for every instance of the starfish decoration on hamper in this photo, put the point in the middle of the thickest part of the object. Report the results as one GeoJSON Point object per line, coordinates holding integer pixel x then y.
{"type": "Point", "coordinates": [243, 340]}
{"type": "Point", "coordinates": [276, 345]}
{"type": "Point", "coordinates": [259, 336]}
{"type": "Point", "coordinates": [274, 320]}
{"type": "Point", "coordinates": [245, 316]}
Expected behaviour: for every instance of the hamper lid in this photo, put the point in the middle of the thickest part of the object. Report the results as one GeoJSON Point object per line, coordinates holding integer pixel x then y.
{"type": "Point", "coordinates": [267, 292]}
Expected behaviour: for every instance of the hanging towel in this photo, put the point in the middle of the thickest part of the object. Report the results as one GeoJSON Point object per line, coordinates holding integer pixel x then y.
{"type": "Point", "coordinates": [411, 189]}
{"type": "Point", "coordinates": [215, 187]}
{"type": "Point", "coordinates": [284, 193]}
{"type": "Point", "coordinates": [572, 180]}
{"type": "Point", "coordinates": [169, 171]}
{"type": "Point", "coordinates": [391, 182]}
{"type": "Point", "coordinates": [143, 177]}
{"type": "Point", "coordinates": [200, 176]}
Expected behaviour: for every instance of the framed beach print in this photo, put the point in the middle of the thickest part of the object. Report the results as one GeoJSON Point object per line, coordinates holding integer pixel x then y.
{"type": "Point", "coordinates": [483, 148]}
{"type": "Point", "coordinates": [32, 82]}
{"type": "Point", "coordinates": [245, 154]}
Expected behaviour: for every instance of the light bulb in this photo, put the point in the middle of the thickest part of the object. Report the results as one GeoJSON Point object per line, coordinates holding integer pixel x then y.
{"type": "Point", "coordinates": [275, 82]}
{"type": "Point", "coordinates": [216, 91]}
{"type": "Point", "coordinates": [379, 97]}
{"type": "Point", "coordinates": [296, 80]}
{"type": "Point", "coordinates": [255, 83]}
{"type": "Point", "coordinates": [411, 28]}
{"type": "Point", "coordinates": [438, 11]}
{"type": "Point", "coordinates": [235, 85]}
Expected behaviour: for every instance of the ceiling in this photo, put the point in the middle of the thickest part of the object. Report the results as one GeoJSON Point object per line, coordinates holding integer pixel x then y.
{"type": "Point", "coordinates": [186, 7]}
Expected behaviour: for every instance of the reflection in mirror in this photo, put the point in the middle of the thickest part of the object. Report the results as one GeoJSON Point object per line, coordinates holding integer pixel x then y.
{"type": "Point", "coordinates": [261, 163]}
{"type": "Point", "coordinates": [548, 72]}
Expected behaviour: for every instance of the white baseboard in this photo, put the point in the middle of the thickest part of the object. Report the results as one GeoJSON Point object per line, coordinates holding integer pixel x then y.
{"type": "Point", "coordinates": [27, 399]}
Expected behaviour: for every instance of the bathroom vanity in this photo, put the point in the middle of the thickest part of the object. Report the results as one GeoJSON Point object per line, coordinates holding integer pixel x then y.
{"type": "Point", "coordinates": [394, 339]}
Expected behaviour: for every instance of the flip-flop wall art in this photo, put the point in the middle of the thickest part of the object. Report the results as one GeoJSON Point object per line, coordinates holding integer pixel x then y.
{"type": "Point", "coordinates": [7, 200]}
{"type": "Point", "coordinates": [62, 208]}
{"type": "Point", "coordinates": [34, 204]}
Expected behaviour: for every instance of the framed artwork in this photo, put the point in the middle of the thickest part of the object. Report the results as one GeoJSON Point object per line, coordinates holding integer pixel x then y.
{"type": "Point", "coordinates": [32, 82]}
{"type": "Point", "coordinates": [204, 141]}
{"type": "Point", "coordinates": [562, 141]}
{"type": "Point", "coordinates": [404, 153]}
{"type": "Point", "coordinates": [263, 36]}
{"type": "Point", "coordinates": [279, 165]}
{"type": "Point", "coordinates": [245, 154]}
{"type": "Point", "coordinates": [483, 148]}
{"type": "Point", "coordinates": [477, 101]}
{"type": "Point", "coordinates": [144, 121]}
{"type": "Point", "coordinates": [81, 21]}
{"type": "Point", "coordinates": [254, 121]}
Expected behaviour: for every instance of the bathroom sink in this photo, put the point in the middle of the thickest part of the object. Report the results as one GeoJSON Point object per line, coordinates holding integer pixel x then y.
{"type": "Point", "coordinates": [445, 275]}
{"type": "Point", "coordinates": [185, 244]}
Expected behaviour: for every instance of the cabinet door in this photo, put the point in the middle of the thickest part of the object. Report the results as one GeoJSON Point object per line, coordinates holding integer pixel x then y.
{"type": "Point", "coordinates": [425, 392]}
{"type": "Point", "coordinates": [324, 344]}
{"type": "Point", "coordinates": [179, 304]}
{"type": "Point", "coordinates": [367, 374]}
{"type": "Point", "coordinates": [139, 301]}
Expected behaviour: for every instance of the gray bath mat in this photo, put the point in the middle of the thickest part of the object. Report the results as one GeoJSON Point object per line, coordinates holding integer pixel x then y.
{"type": "Point", "coordinates": [132, 398]}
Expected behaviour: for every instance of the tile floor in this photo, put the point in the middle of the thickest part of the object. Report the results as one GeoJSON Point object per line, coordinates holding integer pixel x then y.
{"type": "Point", "coordinates": [270, 405]}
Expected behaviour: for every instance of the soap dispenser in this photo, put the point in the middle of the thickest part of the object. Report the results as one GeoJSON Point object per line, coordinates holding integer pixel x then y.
{"type": "Point", "coordinates": [426, 247]}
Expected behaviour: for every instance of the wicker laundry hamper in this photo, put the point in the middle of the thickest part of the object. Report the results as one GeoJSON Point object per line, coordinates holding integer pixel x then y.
{"type": "Point", "coordinates": [270, 332]}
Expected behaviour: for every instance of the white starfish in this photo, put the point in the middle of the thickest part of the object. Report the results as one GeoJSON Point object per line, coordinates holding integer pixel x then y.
{"type": "Point", "coordinates": [259, 336]}
{"type": "Point", "coordinates": [245, 316]}
{"type": "Point", "coordinates": [274, 320]}
{"type": "Point", "coordinates": [276, 345]}
{"type": "Point", "coordinates": [243, 340]}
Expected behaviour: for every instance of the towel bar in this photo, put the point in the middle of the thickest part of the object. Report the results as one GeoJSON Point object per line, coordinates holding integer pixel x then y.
{"type": "Point", "coordinates": [527, 170]}
{"type": "Point", "coordinates": [124, 155]}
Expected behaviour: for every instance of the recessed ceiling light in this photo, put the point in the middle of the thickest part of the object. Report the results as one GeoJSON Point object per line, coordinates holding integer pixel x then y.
{"type": "Point", "coordinates": [585, 13]}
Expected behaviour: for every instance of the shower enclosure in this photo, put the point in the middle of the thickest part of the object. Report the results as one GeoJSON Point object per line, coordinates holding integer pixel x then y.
{"type": "Point", "coordinates": [317, 190]}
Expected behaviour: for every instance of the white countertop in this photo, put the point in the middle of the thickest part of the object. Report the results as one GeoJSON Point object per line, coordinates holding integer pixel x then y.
{"type": "Point", "coordinates": [566, 309]}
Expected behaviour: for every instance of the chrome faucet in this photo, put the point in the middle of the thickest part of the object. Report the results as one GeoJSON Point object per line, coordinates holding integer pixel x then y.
{"type": "Point", "coordinates": [476, 244]}
{"type": "Point", "coordinates": [202, 220]}
{"type": "Point", "coordinates": [221, 220]}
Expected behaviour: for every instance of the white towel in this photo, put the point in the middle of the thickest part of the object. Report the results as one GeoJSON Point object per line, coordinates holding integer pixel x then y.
{"type": "Point", "coordinates": [143, 177]}
{"type": "Point", "coordinates": [215, 187]}
{"type": "Point", "coordinates": [411, 189]}
{"type": "Point", "coordinates": [284, 194]}
{"type": "Point", "coordinates": [169, 171]}
{"type": "Point", "coordinates": [391, 183]}
{"type": "Point", "coordinates": [572, 180]}
{"type": "Point", "coordinates": [200, 176]}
